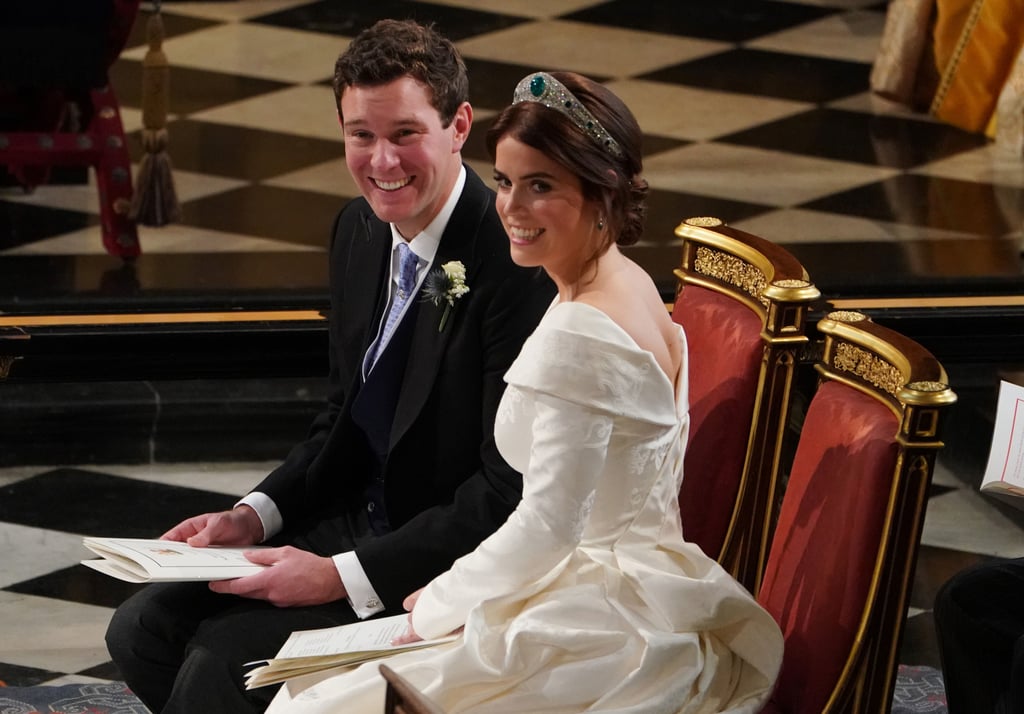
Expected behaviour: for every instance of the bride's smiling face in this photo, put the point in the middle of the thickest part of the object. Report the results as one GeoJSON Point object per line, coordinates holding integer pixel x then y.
{"type": "Point", "coordinates": [541, 204]}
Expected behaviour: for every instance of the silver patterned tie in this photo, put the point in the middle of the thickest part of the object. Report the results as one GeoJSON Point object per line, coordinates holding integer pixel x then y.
{"type": "Point", "coordinates": [407, 263]}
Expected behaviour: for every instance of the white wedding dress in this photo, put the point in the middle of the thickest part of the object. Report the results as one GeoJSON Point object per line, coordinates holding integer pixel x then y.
{"type": "Point", "coordinates": [587, 598]}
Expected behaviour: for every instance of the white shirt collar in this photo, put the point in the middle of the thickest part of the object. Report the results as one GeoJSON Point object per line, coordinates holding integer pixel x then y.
{"type": "Point", "coordinates": [424, 244]}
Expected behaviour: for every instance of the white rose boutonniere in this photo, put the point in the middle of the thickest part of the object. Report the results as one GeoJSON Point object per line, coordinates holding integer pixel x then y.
{"type": "Point", "coordinates": [447, 284]}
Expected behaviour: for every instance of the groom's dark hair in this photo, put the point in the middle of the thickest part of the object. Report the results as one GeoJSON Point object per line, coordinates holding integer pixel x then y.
{"type": "Point", "coordinates": [391, 49]}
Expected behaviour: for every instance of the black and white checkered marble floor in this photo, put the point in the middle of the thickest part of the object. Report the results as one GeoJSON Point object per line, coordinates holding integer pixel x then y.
{"type": "Point", "coordinates": [54, 611]}
{"type": "Point", "coordinates": [756, 111]}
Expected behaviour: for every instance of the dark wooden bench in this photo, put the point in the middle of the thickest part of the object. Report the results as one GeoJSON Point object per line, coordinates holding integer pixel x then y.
{"type": "Point", "coordinates": [163, 345]}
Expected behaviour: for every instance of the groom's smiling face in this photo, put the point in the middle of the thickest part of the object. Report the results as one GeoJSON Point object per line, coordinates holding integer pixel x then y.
{"type": "Point", "coordinates": [403, 158]}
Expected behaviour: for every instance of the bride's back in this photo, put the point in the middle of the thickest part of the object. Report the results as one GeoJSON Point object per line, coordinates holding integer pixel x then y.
{"type": "Point", "coordinates": [625, 292]}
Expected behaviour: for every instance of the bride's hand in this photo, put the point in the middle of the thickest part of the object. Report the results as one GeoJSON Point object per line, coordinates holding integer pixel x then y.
{"type": "Point", "coordinates": [410, 634]}
{"type": "Point", "coordinates": [410, 601]}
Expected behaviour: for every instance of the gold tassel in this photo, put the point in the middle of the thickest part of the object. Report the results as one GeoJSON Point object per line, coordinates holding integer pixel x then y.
{"type": "Point", "coordinates": [155, 202]}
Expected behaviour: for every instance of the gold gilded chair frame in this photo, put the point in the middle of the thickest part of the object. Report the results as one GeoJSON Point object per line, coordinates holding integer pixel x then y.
{"type": "Point", "coordinates": [772, 283]}
{"type": "Point", "coordinates": [902, 374]}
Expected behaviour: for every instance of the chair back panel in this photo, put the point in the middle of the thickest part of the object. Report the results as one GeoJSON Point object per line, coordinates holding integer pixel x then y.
{"type": "Point", "coordinates": [54, 60]}
{"type": "Point", "coordinates": [724, 338]}
{"type": "Point", "coordinates": [57, 44]}
{"type": "Point", "coordinates": [822, 559]}
{"type": "Point", "coordinates": [842, 556]}
{"type": "Point", "coordinates": [743, 302]}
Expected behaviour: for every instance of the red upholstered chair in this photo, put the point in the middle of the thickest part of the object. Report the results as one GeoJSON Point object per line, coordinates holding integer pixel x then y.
{"type": "Point", "coordinates": [402, 698]}
{"type": "Point", "coordinates": [743, 302]}
{"type": "Point", "coordinates": [56, 105]}
{"type": "Point", "coordinates": [844, 548]}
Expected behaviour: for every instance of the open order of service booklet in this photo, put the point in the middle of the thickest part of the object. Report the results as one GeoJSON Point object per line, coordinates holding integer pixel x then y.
{"type": "Point", "coordinates": [141, 560]}
{"type": "Point", "coordinates": [1004, 475]}
{"type": "Point", "coordinates": [308, 651]}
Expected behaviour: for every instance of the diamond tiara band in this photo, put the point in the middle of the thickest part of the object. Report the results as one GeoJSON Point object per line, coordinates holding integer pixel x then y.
{"type": "Point", "coordinates": [544, 89]}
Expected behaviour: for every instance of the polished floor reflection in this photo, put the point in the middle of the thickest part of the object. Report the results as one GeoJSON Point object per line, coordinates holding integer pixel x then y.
{"type": "Point", "coordinates": [755, 111]}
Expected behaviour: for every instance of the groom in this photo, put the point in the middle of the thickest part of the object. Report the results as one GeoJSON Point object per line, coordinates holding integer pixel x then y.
{"type": "Point", "coordinates": [399, 475]}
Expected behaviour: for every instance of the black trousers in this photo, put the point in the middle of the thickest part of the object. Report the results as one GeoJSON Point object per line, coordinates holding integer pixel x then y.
{"type": "Point", "coordinates": [182, 648]}
{"type": "Point", "coordinates": [979, 619]}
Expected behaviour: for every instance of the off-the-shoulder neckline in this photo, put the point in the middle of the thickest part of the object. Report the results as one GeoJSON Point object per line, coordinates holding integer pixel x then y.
{"type": "Point", "coordinates": [673, 384]}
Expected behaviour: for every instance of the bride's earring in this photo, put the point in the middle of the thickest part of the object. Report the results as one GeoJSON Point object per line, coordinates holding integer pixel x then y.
{"type": "Point", "coordinates": [600, 224]}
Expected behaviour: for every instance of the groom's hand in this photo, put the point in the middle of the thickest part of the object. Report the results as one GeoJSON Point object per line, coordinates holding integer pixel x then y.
{"type": "Point", "coordinates": [239, 526]}
{"type": "Point", "coordinates": [294, 578]}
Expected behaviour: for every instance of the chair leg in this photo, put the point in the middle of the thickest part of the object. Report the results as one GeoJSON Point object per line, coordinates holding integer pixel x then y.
{"type": "Point", "coordinates": [113, 176]}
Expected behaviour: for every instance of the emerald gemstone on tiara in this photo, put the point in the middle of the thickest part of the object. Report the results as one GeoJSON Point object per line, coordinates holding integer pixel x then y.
{"type": "Point", "coordinates": [537, 86]}
{"type": "Point", "coordinates": [545, 89]}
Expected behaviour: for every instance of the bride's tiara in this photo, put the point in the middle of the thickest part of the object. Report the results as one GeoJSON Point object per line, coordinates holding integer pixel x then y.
{"type": "Point", "coordinates": [541, 87]}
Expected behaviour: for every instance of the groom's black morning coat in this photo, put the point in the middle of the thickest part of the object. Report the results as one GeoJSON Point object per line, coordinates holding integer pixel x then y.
{"type": "Point", "coordinates": [446, 487]}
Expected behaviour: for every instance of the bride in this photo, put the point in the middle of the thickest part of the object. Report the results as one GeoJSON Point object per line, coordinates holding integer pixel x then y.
{"type": "Point", "coordinates": [587, 598]}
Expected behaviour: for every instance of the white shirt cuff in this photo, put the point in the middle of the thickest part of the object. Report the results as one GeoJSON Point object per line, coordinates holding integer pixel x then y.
{"type": "Point", "coordinates": [266, 509]}
{"type": "Point", "coordinates": [361, 595]}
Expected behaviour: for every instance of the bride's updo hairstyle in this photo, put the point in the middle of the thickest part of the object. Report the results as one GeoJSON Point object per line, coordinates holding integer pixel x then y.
{"type": "Point", "coordinates": [605, 155]}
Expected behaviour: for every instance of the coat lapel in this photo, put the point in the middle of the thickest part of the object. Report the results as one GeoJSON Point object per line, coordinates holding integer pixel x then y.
{"type": "Point", "coordinates": [428, 344]}
{"type": "Point", "coordinates": [366, 292]}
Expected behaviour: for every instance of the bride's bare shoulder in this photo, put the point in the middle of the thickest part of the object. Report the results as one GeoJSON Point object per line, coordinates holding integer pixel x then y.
{"type": "Point", "coordinates": [633, 306]}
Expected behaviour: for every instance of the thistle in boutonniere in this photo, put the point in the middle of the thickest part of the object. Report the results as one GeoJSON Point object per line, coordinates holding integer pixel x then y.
{"type": "Point", "coordinates": [448, 284]}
